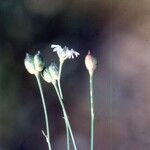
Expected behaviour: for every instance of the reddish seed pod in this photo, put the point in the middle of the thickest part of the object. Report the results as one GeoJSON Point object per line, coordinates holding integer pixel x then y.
{"type": "Point", "coordinates": [90, 63]}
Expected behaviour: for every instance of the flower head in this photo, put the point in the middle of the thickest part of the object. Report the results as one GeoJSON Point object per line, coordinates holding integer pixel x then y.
{"type": "Point", "coordinates": [39, 62]}
{"type": "Point", "coordinates": [53, 69]}
{"type": "Point", "coordinates": [90, 63]}
{"type": "Point", "coordinates": [29, 64]}
{"type": "Point", "coordinates": [50, 74]}
{"type": "Point", "coordinates": [46, 75]}
{"type": "Point", "coordinates": [64, 53]}
{"type": "Point", "coordinates": [35, 64]}
{"type": "Point", "coordinates": [71, 54]}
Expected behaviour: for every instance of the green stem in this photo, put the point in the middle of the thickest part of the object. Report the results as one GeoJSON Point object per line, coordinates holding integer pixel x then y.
{"type": "Point", "coordinates": [65, 116]}
{"type": "Point", "coordinates": [68, 137]}
{"type": "Point", "coordinates": [92, 112]}
{"type": "Point", "coordinates": [59, 86]}
{"type": "Point", "coordinates": [67, 134]}
{"type": "Point", "coordinates": [61, 95]}
{"type": "Point", "coordinates": [45, 112]}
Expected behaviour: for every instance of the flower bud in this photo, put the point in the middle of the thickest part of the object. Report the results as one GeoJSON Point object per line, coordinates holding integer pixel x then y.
{"type": "Point", "coordinates": [53, 69]}
{"type": "Point", "coordinates": [29, 64]}
{"type": "Point", "coordinates": [46, 75]}
{"type": "Point", "coordinates": [38, 62]}
{"type": "Point", "coordinates": [90, 63]}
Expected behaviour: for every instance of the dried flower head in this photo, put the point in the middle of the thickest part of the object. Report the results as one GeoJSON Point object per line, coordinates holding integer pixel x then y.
{"type": "Point", "coordinates": [53, 69]}
{"type": "Point", "coordinates": [35, 64]}
{"type": "Point", "coordinates": [46, 75]}
{"type": "Point", "coordinates": [29, 64]}
{"type": "Point", "coordinates": [64, 53]}
{"type": "Point", "coordinates": [50, 74]}
{"type": "Point", "coordinates": [39, 62]}
{"type": "Point", "coordinates": [90, 63]}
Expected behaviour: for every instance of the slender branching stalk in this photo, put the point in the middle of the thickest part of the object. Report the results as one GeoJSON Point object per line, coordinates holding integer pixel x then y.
{"type": "Point", "coordinates": [63, 54]}
{"type": "Point", "coordinates": [65, 117]}
{"type": "Point", "coordinates": [47, 135]}
{"type": "Point", "coordinates": [92, 111]}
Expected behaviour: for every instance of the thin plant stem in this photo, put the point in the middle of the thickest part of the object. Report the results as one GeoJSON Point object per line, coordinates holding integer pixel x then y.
{"type": "Point", "coordinates": [59, 86]}
{"type": "Point", "coordinates": [68, 137]}
{"type": "Point", "coordinates": [65, 116]}
{"type": "Point", "coordinates": [61, 95]}
{"type": "Point", "coordinates": [47, 136]}
{"type": "Point", "coordinates": [92, 111]}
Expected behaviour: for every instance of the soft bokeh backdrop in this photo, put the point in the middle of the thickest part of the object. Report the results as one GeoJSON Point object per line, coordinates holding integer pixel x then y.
{"type": "Point", "coordinates": [118, 35]}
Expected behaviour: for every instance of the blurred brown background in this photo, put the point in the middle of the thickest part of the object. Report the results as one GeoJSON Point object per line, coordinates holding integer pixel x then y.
{"type": "Point", "coordinates": [118, 35]}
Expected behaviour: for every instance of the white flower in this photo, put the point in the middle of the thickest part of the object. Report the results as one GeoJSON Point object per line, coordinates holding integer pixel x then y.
{"type": "Point", "coordinates": [57, 48]}
{"type": "Point", "coordinates": [64, 53]}
{"type": "Point", "coordinates": [71, 54]}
